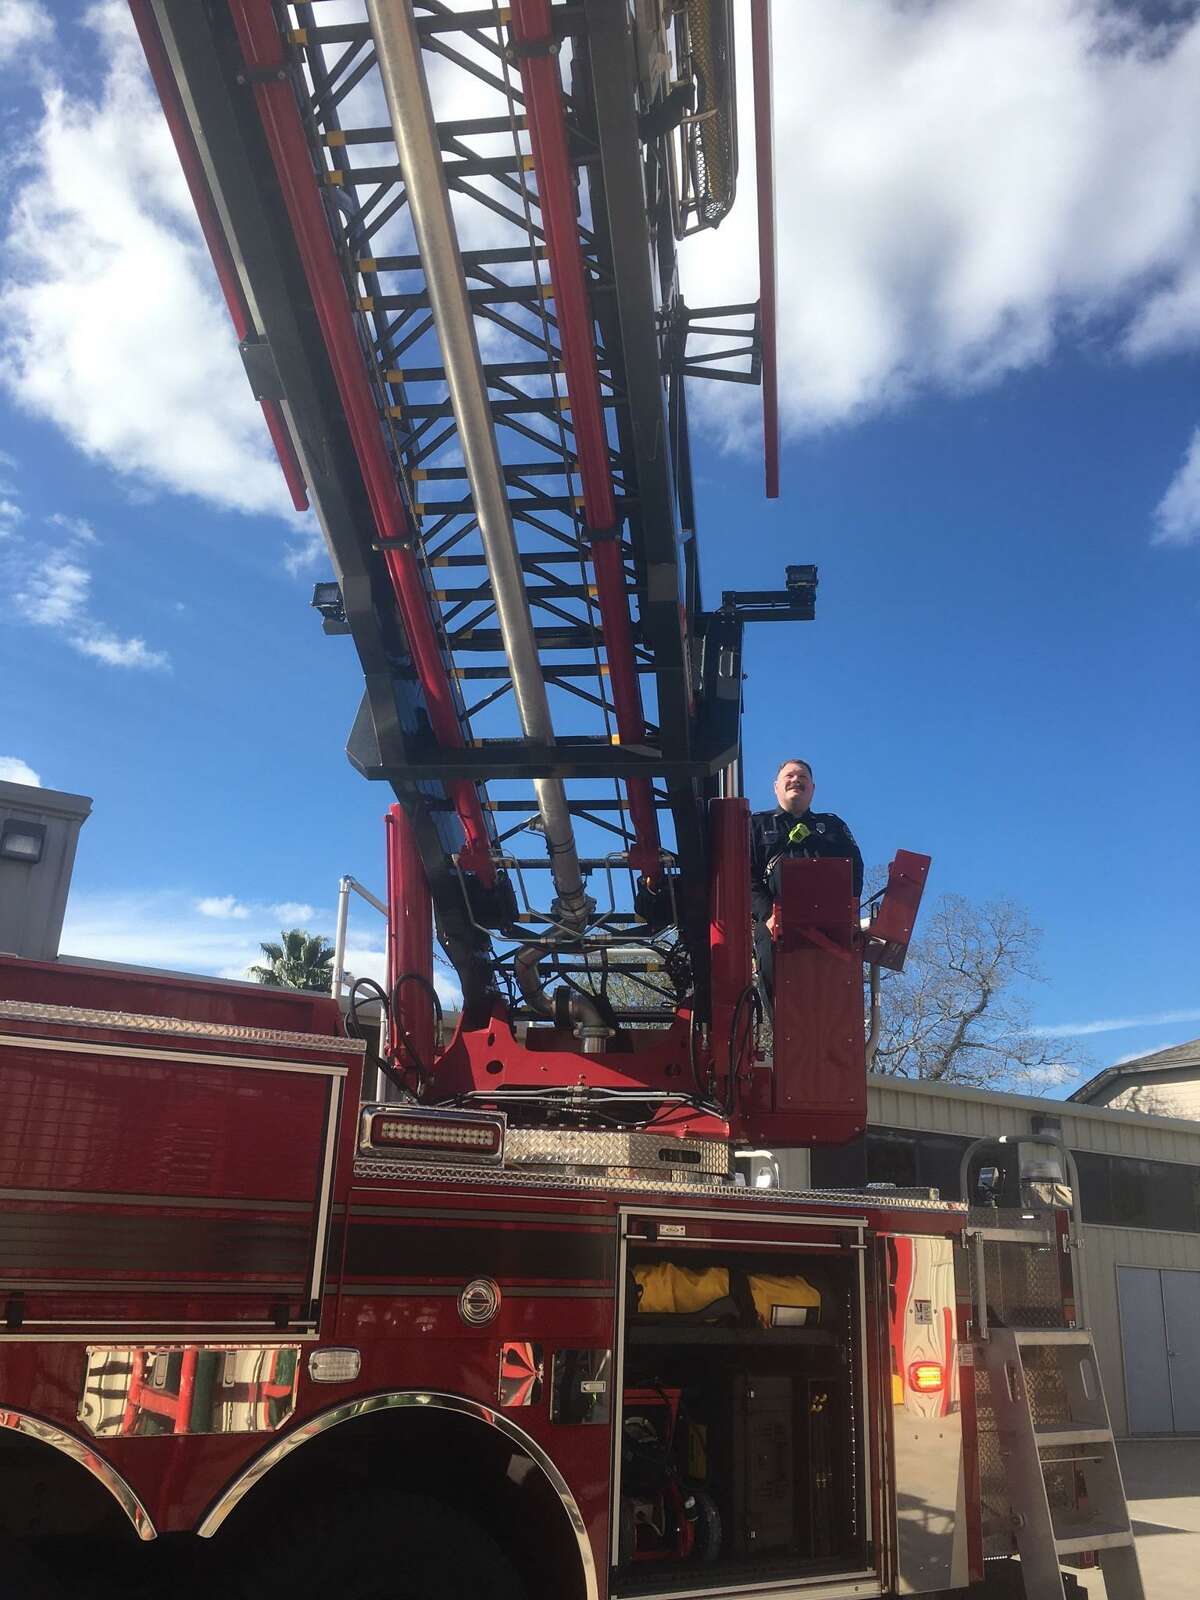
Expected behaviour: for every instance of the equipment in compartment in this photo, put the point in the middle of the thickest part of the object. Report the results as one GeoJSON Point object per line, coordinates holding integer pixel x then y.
{"type": "Point", "coordinates": [784, 1302]}
{"type": "Point", "coordinates": [663, 1516]}
{"type": "Point", "coordinates": [763, 1482]}
{"type": "Point", "coordinates": [740, 1369]}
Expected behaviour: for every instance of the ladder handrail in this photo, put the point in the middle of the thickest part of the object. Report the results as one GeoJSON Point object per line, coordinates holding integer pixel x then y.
{"type": "Point", "coordinates": [1074, 1238]}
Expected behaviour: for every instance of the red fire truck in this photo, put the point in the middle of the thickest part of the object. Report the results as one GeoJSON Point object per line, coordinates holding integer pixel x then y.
{"type": "Point", "coordinates": [301, 1298]}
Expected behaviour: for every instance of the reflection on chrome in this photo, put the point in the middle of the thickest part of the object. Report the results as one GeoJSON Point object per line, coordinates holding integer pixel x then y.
{"type": "Point", "coordinates": [141, 1391]}
{"type": "Point", "coordinates": [931, 1546]}
{"type": "Point", "coordinates": [522, 1372]}
{"type": "Point", "coordinates": [35, 1428]}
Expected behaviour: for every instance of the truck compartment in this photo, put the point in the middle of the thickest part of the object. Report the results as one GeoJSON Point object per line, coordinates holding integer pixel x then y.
{"type": "Point", "coordinates": [740, 1439]}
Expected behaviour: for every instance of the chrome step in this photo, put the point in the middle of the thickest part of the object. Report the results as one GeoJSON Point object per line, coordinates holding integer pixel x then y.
{"type": "Point", "coordinates": [1099, 1537]}
{"type": "Point", "coordinates": [1036, 1336]}
{"type": "Point", "coordinates": [1071, 1433]}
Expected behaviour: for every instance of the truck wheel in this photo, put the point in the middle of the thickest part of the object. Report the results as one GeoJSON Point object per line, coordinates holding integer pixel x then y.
{"type": "Point", "coordinates": [22, 1576]}
{"type": "Point", "coordinates": [708, 1527]}
{"type": "Point", "coordinates": [382, 1547]}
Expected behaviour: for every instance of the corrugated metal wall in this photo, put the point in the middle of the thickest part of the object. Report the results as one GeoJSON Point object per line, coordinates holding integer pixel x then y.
{"type": "Point", "coordinates": [949, 1108]}
{"type": "Point", "coordinates": [1110, 1248]}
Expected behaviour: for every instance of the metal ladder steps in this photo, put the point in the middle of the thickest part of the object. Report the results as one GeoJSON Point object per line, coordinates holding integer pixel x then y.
{"type": "Point", "coordinates": [1057, 1433]}
{"type": "Point", "coordinates": [1072, 1539]}
{"type": "Point", "coordinates": [1036, 1336]}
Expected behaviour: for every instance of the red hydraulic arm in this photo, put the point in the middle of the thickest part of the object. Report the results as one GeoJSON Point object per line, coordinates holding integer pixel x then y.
{"type": "Point", "coordinates": [534, 33]}
{"type": "Point", "coordinates": [409, 945]}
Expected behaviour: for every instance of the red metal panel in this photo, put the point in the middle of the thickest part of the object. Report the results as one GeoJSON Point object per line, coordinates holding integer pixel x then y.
{"type": "Point", "coordinates": [160, 994]}
{"type": "Point", "coordinates": [889, 935]}
{"type": "Point", "coordinates": [817, 1091]}
{"type": "Point", "coordinates": [729, 925]}
{"type": "Point", "coordinates": [263, 49]}
{"type": "Point", "coordinates": [210, 226]}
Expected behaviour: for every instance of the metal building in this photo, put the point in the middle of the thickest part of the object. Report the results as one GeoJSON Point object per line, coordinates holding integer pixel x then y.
{"type": "Point", "coordinates": [1140, 1182]}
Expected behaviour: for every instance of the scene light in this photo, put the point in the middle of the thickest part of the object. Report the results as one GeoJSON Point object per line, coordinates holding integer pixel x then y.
{"type": "Point", "coordinates": [22, 841]}
{"type": "Point", "coordinates": [461, 1136]}
{"type": "Point", "coordinates": [334, 1366]}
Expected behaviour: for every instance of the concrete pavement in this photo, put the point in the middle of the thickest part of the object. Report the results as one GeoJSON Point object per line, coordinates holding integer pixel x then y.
{"type": "Point", "coordinates": [1162, 1485]}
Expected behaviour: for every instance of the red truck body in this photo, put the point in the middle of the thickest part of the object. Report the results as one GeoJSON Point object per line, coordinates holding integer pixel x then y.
{"type": "Point", "coordinates": [184, 1184]}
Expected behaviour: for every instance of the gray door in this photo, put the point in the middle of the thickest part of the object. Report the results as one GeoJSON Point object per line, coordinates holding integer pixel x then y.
{"type": "Point", "coordinates": [1181, 1302]}
{"type": "Point", "coordinates": [1144, 1346]}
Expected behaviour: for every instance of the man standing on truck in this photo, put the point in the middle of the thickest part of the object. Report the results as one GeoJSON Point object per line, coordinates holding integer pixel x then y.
{"type": "Point", "coordinates": [792, 829]}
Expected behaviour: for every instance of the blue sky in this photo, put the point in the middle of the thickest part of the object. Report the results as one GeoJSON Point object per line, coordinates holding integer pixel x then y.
{"type": "Point", "coordinates": [990, 309]}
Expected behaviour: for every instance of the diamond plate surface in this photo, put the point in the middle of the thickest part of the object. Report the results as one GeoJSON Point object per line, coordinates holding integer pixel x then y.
{"type": "Point", "coordinates": [173, 1027]}
{"type": "Point", "coordinates": [620, 1154]}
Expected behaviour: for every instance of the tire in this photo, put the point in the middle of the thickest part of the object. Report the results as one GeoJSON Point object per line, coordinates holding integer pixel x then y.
{"type": "Point", "coordinates": [22, 1575]}
{"type": "Point", "coordinates": [385, 1547]}
{"type": "Point", "coordinates": [709, 1532]}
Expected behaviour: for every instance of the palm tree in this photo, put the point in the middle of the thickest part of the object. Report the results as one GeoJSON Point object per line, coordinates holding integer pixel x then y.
{"type": "Point", "coordinates": [300, 961]}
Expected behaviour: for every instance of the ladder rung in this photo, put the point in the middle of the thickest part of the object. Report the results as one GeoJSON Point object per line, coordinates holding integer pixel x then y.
{"type": "Point", "coordinates": [1072, 1433]}
{"type": "Point", "coordinates": [1100, 1537]}
{"type": "Point", "coordinates": [1035, 1336]}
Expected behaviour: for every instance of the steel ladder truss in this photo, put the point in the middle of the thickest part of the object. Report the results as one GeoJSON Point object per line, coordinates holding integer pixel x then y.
{"type": "Point", "coordinates": [569, 152]}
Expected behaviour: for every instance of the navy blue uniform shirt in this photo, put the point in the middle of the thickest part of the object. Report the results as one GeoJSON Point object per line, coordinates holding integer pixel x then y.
{"type": "Point", "coordinates": [775, 834]}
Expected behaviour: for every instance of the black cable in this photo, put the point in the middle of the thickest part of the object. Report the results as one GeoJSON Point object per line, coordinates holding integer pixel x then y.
{"type": "Point", "coordinates": [750, 992]}
{"type": "Point", "coordinates": [354, 1026]}
{"type": "Point", "coordinates": [424, 1072]}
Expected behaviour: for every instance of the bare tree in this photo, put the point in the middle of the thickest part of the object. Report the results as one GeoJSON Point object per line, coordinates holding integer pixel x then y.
{"type": "Point", "coordinates": [958, 1011]}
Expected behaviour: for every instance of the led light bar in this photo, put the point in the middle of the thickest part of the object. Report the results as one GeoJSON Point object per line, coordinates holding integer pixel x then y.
{"type": "Point", "coordinates": [427, 1135]}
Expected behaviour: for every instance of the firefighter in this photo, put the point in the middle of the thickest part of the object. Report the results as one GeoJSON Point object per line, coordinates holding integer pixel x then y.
{"type": "Point", "coordinates": [792, 829]}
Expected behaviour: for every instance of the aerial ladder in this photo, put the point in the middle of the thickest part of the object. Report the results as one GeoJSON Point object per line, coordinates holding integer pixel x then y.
{"type": "Point", "coordinates": [449, 243]}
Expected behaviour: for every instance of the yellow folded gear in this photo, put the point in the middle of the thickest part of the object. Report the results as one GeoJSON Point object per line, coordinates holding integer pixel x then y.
{"type": "Point", "coordinates": [785, 1302]}
{"type": "Point", "coordinates": [666, 1288]}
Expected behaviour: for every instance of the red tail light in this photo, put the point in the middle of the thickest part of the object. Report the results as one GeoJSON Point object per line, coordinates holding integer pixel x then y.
{"type": "Point", "coordinates": [926, 1377]}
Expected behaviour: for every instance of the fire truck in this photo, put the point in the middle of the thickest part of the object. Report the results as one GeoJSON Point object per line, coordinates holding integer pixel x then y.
{"type": "Point", "coordinates": [302, 1297]}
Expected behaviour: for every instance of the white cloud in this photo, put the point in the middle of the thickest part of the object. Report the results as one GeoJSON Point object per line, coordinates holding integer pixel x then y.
{"type": "Point", "coordinates": [54, 591]}
{"type": "Point", "coordinates": [368, 959]}
{"type": "Point", "coordinates": [964, 187]}
{"type": "Point", "coordinates": [78, 528]}
{"type": "Point", "coordinates": [23, 23]}
{"type": "Point", "coordinates": [293, 913]}
{"type": "Point", "coordinates": [1154, 1019]}
{"type": "Point", "coordinates": [113, 326]}
{"type": "Point", "coordinates": [11, 516]}
{"type": "Point", "coordinates": [14, 770]}
{"type": "Point", "coordinates": [157, 930]}
{"type": "Point", "coordinates": [1177, 516]}
{"type": "Point", "coordinates": [174, 930]}
{"type": "Point", "coordinates": [225, 905]}
{"type": "Point", "coordinates": [116, 652]}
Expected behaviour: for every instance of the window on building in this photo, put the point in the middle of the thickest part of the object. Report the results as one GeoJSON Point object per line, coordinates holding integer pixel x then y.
{"type": "Point", "coordinates": [1124, 1192]}
{"type": "Point", "coordinates": [892, 1157]}
{"type": "Point", "coordinates": [1095, 1188]}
